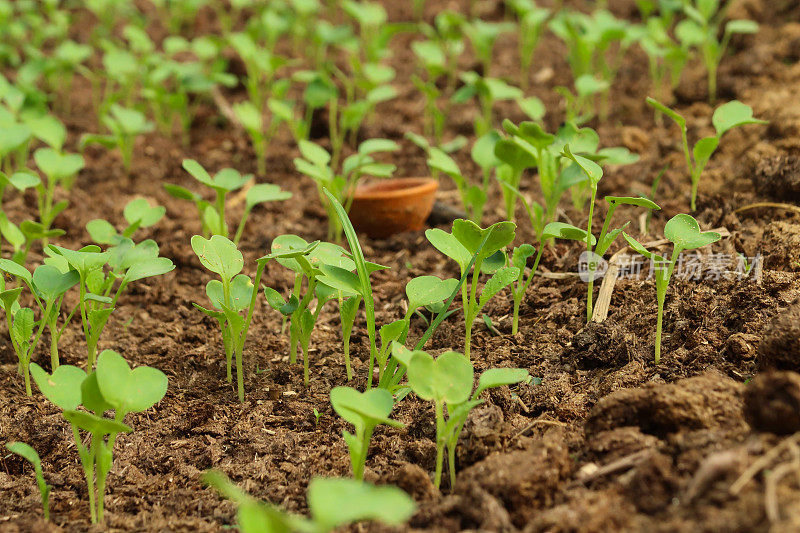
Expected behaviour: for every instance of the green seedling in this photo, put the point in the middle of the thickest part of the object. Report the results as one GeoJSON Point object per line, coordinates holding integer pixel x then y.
{"type": "Point", "coordinates": [231, 295]}
{"type": "Point", "coordinates": [48, 286]}
{"type": "Point", "coordinates": [261, 132]}
{"type": "Point", "coordinates": [308, 262]}
{"type": "Point", "coordinates": [138, 214]}
{"type": "Point", "coordinates": [666, 57]}
{"type": "Point", "coordinates": [29, 454]}
{"type": "Point", "coordinates": [597, 43]}
{"type": "Point", "coordinates": [531, 22]}
{"type": "Point", "coordinates": [113, 386]}
{"type": "Point", "coordinates": [556, 173]}
{"type": "Point", "coordinates": [726, 117]}
{"type": "Point", "coordinates": [448, 32]}
{"type": "Point", "coordinates": [365, 411]}
{"type": "Point", "coordinates": [488, 92]}
{"type": "Point", "coordinates": [213, 214]}
{"type": "Point", "coordinates": [332, 503]}
{"type": "Point", "coordinates": [580, 105]}
{"type": "Point", "coordinates": [448, 381]}
{"type": "Point", "coordinates": [684, 233]}
{"type": "Point", "coordinates": [473, 197]}
{"type": "Point", "coordinates": [432, 59]}
{"type": "Point", "coordinates": [594, 255]}
{"type": "Point", "coordinates": [317, 163]}
{"type": "Point", "coordinates": [59, 169]}
{"type": "Point", "coordinates": [482, 36]}
{"type": "Point", "coordinates": [702, 28]}
{"type": "Point", "coordinates": [461, 245]}
{"type": "Point", "coordinates": [125, 126]}
{"type": "Point", "coordinates": [99, 290]}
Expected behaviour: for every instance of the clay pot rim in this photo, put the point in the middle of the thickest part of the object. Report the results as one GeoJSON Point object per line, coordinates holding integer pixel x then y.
{"type": "Point", "coordinates": [403, 187]}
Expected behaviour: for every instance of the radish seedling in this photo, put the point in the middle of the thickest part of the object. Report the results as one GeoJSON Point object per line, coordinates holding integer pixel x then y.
{"type": "Point", "coordinates": [113, 386]}
{"type": "Point", "coordinates": [448, 381]}
{"type": "Point", "coordinates": [29, 454]}
{"type": "Point", "coordinates": [308, 266]}
{"type": "Point", "coordinates": [212, 215]}
{"type": "Point", "coordinates": [531, 22]}
{"type": "Point", "coordinates": [473, 197]}
{"type": "Point", "coordinates": [138, 214]}
{"type": "Point", "coordinates": [460, 245]}
{"type": "Point", "coordinates": [482, 36]}
{"type": "Point", "coordinates": [59, 169]}
{"type": "Point", "coordinates": [47, 285]}
{"type": "Point", "coordinates": [365, 411]}
{"type": "Point", "coordinates": [332, 503]}
{"type": "Point", "coordinates": [125, 126]}
{"type": "Point", "coordinates": [233, 294]}
{"type": "Point", "coordinates": [128, 262]}
{"type": "Point", "coordinates": [488, 91]}
{"type": "Point", "coordinates": [684, 233]}
{"type": "Point", "coordinates": [702, 29]}
{"type": "Point", "coordinates": [726, 117]}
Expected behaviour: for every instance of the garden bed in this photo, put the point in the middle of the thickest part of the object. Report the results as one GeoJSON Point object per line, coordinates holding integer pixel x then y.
{"type": "Point", "coordinates": [608, 440]}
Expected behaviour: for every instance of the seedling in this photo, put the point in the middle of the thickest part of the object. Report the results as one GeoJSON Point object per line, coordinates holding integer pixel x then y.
{"type": "Point", "coordinates": [47, 285]}
{"type": "Point", "coordinates": [461, 245]}
{"type": "Point", "coordinates": [212, 215]}
{"type": "Point", "coordinates": [127, 262]}
{"type": "Point", "coordinates": [138, 214]}
{"type": "Point", "coordinates": [488, 91]}
{"type": "Point", "coordinates": [125, 126]}
{"type": "Point", "coordinates": [332, 503]}
{"type": "Point", "coordinates": [726, 117]}
{"type": "Point", "coordinates": [473, 197]}
{"type": "Point", "coordinates": [482, 36]}
{"type": "Point", "coordinates": [307, 261]}
{"type": "Point", "coordinates": [231, 295]}
{"type": "Point", "coordinates": [447, 381]}
{"type": "Point", "coordinates": [113, 386]}
{"type": "Point", "coordinates": [316, 163]}
{"type": "Point", "coordinates": [29, 454]}
{"type": "Point", "coordinates": [666, 58]}
{"type": "Point", "coordinates": [531, 22]}
{"type": "Point", "coordinates": [684, 233]}
{"type": "Point", "coordinates": [431, 57]}
{"type": "Point", "coordinates": [365, 411]}
{"type": "Point", "coordinates": [702, 29]}
{"type": "Point", "coordinates": [59, 169]}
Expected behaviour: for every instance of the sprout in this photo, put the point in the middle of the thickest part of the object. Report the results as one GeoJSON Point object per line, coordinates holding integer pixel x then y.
{"type": "Point", "coordinates": [447, 381]}
{"type": "Point", "coordinates": [684, 233]}
{"type": "Point", "coordinates": [726, 117]}
{"type": "Point", "coordinates": [29, 454]}
{"type": "Point", "coordinates": [125, 125]}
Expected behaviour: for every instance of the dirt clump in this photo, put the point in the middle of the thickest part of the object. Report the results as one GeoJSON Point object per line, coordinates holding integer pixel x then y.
{"type": "Point", "coordinates": [780, 347]}
{"type": "Point", "coordinates": [772, 402]}
{"type": "Point", "coordinates": [778, 178]}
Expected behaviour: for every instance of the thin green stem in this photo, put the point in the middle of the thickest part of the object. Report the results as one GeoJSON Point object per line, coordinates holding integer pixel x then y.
{"type": "Point", "coordinates": [437, 479]}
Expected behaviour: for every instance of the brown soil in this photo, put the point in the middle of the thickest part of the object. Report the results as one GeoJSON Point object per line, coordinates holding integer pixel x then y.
{"type": "Point", "coordinates": [607, 442]}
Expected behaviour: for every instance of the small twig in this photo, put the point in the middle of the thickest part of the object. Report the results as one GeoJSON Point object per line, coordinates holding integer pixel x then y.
{"type": "Point", "coordinates": [534, 423]}
{"type": "Point", "coordinates": [772, 479]}
{"type": "Point", "coordinates": [623, 463]}
{"type": "Point", "coordinates": [788, 207]}
{"type": "Point", "coordinates": [761, 463]}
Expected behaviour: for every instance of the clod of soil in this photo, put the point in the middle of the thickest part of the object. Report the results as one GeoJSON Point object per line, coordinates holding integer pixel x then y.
{"type": "Point", "coordinates": [780, 245]}
{"type": "Point", "coordinates": [778, 177]}
{"type": "Point", "coordinates": [704, 402]}
{"type": "Point", "coordinates": [524, 480]}
{"type": "Point", "coordinates": [598, 345]}
{"type": "Point", "coordinates": [772, 402]}
{"type": "Point", "coordinates": [654, 483]}
{"type": "Point", "coordinates": [780, 347]}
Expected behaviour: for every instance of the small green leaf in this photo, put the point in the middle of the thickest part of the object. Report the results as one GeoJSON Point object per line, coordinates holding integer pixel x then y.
{"type": "Point", "coordinates": [498, 377]}
{"type": "Point", "coordinates": [428, 290]}
{"type": "Point", "coordinates": [26, 452]}
{"type": "Point", "coordinates": [562, 230]}
{"type": "Point", "coordinates": [684, 231]}
{"type": "Point", "coordinates": [219, 255]}
{"type": "Point", "coordinates": [448, 378]}
{"type": "Point", "coordinates": [371, 407]}
{"type": "Point", "coordinates": [139, 210]}
{"type": "Point", "coordinates": [334, 502]}
{"type": "Point", "coordinates": [632, 200]}
{"type": "Point", "coordinates": [129, 390]}
{"type": "Point", "coordinates": [95, 424]}
{"type": "Point", "coordinates": [63, 387]}
{"type": "Point", "coordinates": [732, 115]}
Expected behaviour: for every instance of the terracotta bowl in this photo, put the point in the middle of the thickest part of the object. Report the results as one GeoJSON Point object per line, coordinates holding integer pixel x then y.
{"type": "Point", "coordinates": [385, 207]}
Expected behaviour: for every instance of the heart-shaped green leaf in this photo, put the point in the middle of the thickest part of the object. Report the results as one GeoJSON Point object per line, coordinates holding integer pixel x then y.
{"type": "Point", "coordinates": [428, 290]}
{"type": "Point", "coordinates": [731, 115]}
{"type": "Point", "coordinates": [449, 378]}
{"type": "Point", "coordinates": [449, 245]}
{"type": "Point", "coordinates": [470, 235]}
{"type": "Point", "coordinates": [63, 387]}
{"type": "Point", "coordinates": [129, 390]}
{"type": "Point", "coordinates": [265, 192]}
{"type": "Point", "coordinates": [92, 398]}
{"type": "Point", "coordinates": [364, 409]}
{"type": "Point", "coordinates": [684, 231]}
{"type": "Point", "coordinates": [498, 377]}
{"type": "Point", "coordinates": [219, 255]}
{"type": "Point", "coordinates": [139, 210]}
{"type": "Point", "coordinates": [334, 502]}
{"type": "Point", "coordinates": [57, 166]}
{"type": "Point", "coordinates": [51, 283]}
{"type": "Point", "coordinates": [562, 230]}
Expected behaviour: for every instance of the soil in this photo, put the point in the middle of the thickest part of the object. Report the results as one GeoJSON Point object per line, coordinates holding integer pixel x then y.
{"type": "Point", "coordinates": [608, 441]}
